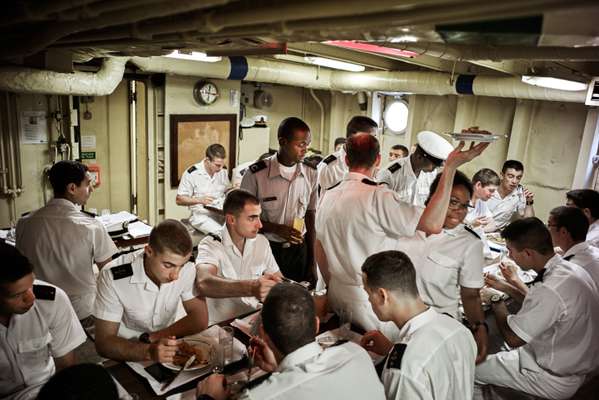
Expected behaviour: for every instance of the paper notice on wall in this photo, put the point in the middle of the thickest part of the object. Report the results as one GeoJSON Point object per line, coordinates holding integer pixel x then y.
{"type": "Point", "coordinates": [34, 127]}
{"type": "Point", "coordinates": [88, 141]}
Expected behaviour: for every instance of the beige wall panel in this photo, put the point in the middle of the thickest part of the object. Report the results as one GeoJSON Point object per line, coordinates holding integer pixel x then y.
{"type": "Point", "coordinates": [142, 153]}
{"type": "Point", "coordinates": [343, 107]}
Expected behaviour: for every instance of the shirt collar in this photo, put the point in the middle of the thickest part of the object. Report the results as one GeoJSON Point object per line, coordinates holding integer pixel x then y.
{"type": "Point", "coordinates": [416, 323]}
{"type": "Point", "coordinates": [577, 248]}
{"type": "Point", "coordinates": [274, 169]}
{"type": "Point", "coordinates": [139, 273]}
{"type": "Point", "coordinates": [355, 176]}
{"type": "Point", "coordinates": [455, 231]}
{"type": "Point", "coordinates": [300, 356]}
{"type": "Point", "coordinates": [64, 203]}
{"type": "Point", "coordinates": [227, 241]}
{"type": "Point", "coordinates": [548, 267]}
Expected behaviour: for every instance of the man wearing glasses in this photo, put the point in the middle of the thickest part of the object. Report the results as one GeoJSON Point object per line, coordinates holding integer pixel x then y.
{"type": "Point", "coordinates": [204, 184]}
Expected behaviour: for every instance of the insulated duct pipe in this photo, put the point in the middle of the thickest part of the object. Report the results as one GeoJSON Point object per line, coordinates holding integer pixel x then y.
{"type": "Point", "coordinates": [29, 80]}
{"type": "Point", "coordinates": [430, 83]}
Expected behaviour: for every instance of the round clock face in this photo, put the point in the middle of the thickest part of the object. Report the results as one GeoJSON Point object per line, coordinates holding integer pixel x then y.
{"type": "Point", "coordinates": [205, 93]}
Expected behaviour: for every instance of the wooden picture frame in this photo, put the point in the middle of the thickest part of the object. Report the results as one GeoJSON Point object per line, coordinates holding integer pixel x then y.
{"type": "Point", "coordinates": [191, 134]}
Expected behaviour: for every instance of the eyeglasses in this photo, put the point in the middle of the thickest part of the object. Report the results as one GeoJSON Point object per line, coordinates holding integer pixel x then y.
{"type": "Point", "coordinates": [455, 204]}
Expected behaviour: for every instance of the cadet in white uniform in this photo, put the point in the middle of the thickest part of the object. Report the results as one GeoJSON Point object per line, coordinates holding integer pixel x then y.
{"type": "Point", "coordinates": [287, 190]}
{"type": "Point", "coordinates": [485, 182]}
{"type": "Point", "coordinates": [411, 177]}
{"type": "Point", "coordinates": [204, 184]}
{"type": "Point", "coordinates": [555, 335]}
{"type": "Point", "coordinates": [358, 218]}
{"type": "Point", "coordinates": [433, 357]}
{"type": "Point", "coordinates": [38, 328]}
{"type": "Point", "coordinates": [236, 269]}
{"type": "Point", "coordinates": [63, 242]}
{"type": "Point", "coordinates": [334, 168]}
{"type": "Point", "coordinates": [300, 368]}
{"type": "Point", "coordinates": [511, 200]}
{"type": "Point", "coordinates": [138, 297]}
{"type": "Point", "coordinates": [588, 201]}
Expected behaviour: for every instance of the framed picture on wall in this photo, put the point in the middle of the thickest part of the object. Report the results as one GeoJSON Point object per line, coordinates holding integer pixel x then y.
{"type": "Point", "coordinates": [191, 134]}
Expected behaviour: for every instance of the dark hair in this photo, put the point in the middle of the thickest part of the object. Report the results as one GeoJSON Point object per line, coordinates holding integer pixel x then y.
{"type": "Point", "coordinates": [65, 172]}
{"type": "Point", "coordinates": [460, 179]}
{"type": "Point", "coordinates": [391, 270]}
{"type": "Point", "coordinates": [215, 150]}
{"type": "Point", "coordinates": [401, 147]}
{"type": "Point", "coordinates": [585, 198]}
{"type": "Point", "coordinates": [171, 235]}
{"type": "Point", "coordinates": [529, 233]}
{"type": "Point", "coordinates": [80, 382]}
{"type": "Point", "coordinates": [14, 265]}
{"type": "Point", "coordinates": [486, 177]}
{"type": "Point", "coordinates": [288, 317]}
{"type": "Point", "coordinates": [236, 201]}
{"type": "Point", "coordinates": [340, 140]}
{"type": "Point", "coordinates": [269, 153]}
{"type": "Point", "coordinates": [362, 150]}
{"type": "Point", "coordinates": [513, 164]}
{"type": "Point", "coordinates": [360, 123]}
{"type": "Point", "coordinates": [437, 162]}
{"type": "Point", "coordinates": [573, 219]}
{"type": "Point", "coordinates": [288, 126]}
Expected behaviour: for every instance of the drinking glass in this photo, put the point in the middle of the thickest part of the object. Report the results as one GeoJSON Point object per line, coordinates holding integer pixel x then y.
{"type": "Point", "coordinates": [345, 319]}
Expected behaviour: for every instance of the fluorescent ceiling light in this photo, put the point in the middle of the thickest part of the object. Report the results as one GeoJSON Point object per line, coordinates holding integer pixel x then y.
{"type": "Point", "coordinates": [404, 39]}
{"type": "Point", "coordinates": [323, 62]}
{"type": "Point", "coordinates": [194, 56]}
{"type": "Point", "coordinates": [554, 83]}
{"type": "Point", "coordinates": [371, 48]}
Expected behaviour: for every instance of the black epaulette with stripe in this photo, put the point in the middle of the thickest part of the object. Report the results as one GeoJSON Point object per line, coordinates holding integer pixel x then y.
{"type": "Point", "coordinates": [121, 271]}
{"type": "Point", "coordinates": [242, 171]}
{"type": "Point", "coordinates": [469, 229]}
{"type": "Point", "coordinates": [396, 356]}
{"type": "Point", "coordinates": [329, 159]}
{"type": "Point", "coordinates": [91, 214]}
{"type": "Point", "coordinates": [394, 167]}
{"type": "Point", "coordinates": [44, 292]}
{"type": "Point", "coordinates": [191, 169]}
{"type": "Point", "coordinates": [335, 185]}
{"type": "Point", "coordinates": [257, 166]}
{"type": "Point", "coordinates": [310, 163]}
{"type": "Point", "coordinates": [369, 182]}
{"type": "Point", "coordinates": [215, 237]}
{"type": "Point", "coordinates": [122, 253]}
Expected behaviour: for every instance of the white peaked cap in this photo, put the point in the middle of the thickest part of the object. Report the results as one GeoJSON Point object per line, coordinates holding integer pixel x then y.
{"type": "Point", "coordinates": [435, 145]}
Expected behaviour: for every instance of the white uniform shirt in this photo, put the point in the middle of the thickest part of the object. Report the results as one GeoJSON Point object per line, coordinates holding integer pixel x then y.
{"type": "Point", "coordinates": [433, 360]}
{"type": "Point", "coordinates": [587, 257]}
{"type": "Point", "coordinates": [341, 372]}
{"type": "Point", "coordinates": [332, 170]}
{"type": "Point", "coordinates": [49, 329]}
{"type": "Point", "coordinates": [559, 321]}
{"type": "Point", "coordinates": [256, 260]}
{"type": "Point", "coordinates": [454, 259]}
{"type": "Point", "coordinates": [62, 243]}
{"type": "Point", "coordinates": [239, 171]}
{"type": "Point", "coordinates": [593, 234]}
{"type": "Point", "coordinates": [130, 297]}
{"type": "Point", "coordinates": [354, 220]}
{"type": "Point", "coordinates": [281, 199]}
{"type": "Point", "coordinates": [505, 209]}
{"type": "Point", "coordinates": [196, 182]}
{"type": "Point", "coordinates": [399, 176]}
{"type": "Point", "coordinates": [480, 210]}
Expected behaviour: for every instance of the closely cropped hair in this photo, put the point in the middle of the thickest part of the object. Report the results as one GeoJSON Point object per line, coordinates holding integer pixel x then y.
{"type": "Point", "coordinates": [460, 179]}
{"type": "Point", "coordinates": [437, 162]}
{"type": "Point", "coordinates": [529, 233]}
{"type": "Point", "coordinates": [486, 177]}
{"type": "Point", "coordinates": [391, 270]}
{"type": "Point", "coordinates": [402, 148]}
{"type": "Point", "coordinates": [81, 381]}
{"type": "Point", "coordinates": [362, 150]}
{"type": "Point", "coordinates": [289, 125]}
{"type": "Point", "coordinates": [288, 317]}
{"type": "Point", "coordinates": [236, 201]}
{"type": "Point", "coordinates": [339, 140]}
{"type": "Point", "coordinates": [65, 172]}
{"type": "Point", "coordinates": [360, 123]}
{"type": "Point", "coordinates": [585, 198]}
{"type": "Point", "coordinates": [513, 164]}
{"type": "Point", "coordinates": [573, 219]}
{"type": "Point", "coordinates": [14, 265]}
{"type": "Point", "coordinates": [171, 235]}
{"type": "Point", "coordinates": [215, 150]}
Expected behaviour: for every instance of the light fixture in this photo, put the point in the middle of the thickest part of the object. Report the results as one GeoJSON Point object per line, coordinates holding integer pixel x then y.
{"type": "Point", "coordinates": [323, 62]}
{"type": "Point", "coordinates": [371, 48]}
{"type": "Point", "coordinates": [396, 116]}
{"type": "Point", "coordinates": [554, 83]}
{"type": "Point", "coordinates": [404, 39]}
{"type": "Point", "coordinates": [194, 56]}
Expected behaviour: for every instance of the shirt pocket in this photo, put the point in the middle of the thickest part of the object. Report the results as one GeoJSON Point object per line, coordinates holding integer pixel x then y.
{"type": "Point", "coordinates": [271, 205]}
{"type": "Point", "coordinates": [34, 355]}
{"type": "Point", "coordinates": [140, 319]}
{"type": "Point", "coordinates": [441, 271]}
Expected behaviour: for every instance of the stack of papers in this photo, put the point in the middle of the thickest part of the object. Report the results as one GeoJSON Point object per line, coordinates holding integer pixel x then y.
{"type": "Point", "coordinates": [139, 229]}
{"type": "Point", "coordinates": [114, 222]}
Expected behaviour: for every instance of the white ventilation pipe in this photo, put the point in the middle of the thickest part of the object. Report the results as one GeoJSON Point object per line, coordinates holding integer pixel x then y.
{"type": "Point", "coordinates": [29, 80]}
{"type": "Point", "coordinates": [430, 83]}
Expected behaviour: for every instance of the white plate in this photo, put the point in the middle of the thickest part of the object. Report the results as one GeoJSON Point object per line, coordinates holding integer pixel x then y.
{"type": "Point", "coordinates": [475, 137]}
{"type": "Point", "coordinates": [206, 344]}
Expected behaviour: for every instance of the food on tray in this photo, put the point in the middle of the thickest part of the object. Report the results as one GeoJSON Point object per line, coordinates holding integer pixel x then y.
{"type": "Point", "coordinates": [187, 349]}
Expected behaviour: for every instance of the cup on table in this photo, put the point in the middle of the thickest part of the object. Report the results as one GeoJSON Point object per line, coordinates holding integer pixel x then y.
{"type": "Point", "coordinates": [224, 351]}
{"type": "Point", "coordinates": [93, 211]}
{"type": "Point", "coordinates": [345, 319]}
{"type": "Point", "coordinates": [105, 211]}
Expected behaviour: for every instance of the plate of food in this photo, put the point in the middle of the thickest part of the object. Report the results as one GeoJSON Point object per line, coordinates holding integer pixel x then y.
{"type": "Point", "coordinates": [202, 348]}
{"type": "Point", "coordinates": [475, 137]}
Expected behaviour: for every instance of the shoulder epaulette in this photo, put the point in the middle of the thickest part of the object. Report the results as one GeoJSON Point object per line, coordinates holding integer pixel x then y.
{"type": "Point", "coordinates": [44, 292]}
{"type": "Point", "coordinates": [335, 185]}
{"type": "Point", "coordinates": [396, 355]}
{"type": "Point", "coordinates": [122, 253]}
{"type": "Point", "coordinates": [191, 169]}
{"type": "Point", "coordinates": [121, 271]}
{"type": "Point", "coordinates": [329, 159]}
{"type": "Point", "coordinates": [472, 231]}
{"type": "Point", "coordinates": [394, 167]}
{"type": "Point", "coordinates": [242, 171]}
{"type": "Point", "coordinates": [91, 214]}
{"type": "Point", "coordinates": [215, 237]}
{"type": "Point", "coordinates": [310, 164]}
{"type": "Point", "coordinates": [369, 182]}
{"type": "Point", "coordinates": [257, 166]}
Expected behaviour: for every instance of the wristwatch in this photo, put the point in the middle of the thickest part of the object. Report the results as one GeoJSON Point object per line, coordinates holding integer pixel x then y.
{"type": "Point", "coordinates": [496, 298]}
{"type": "Point", "coordinates": [530, 203]}
{"type": "Point", "coordinates": [145, 338]}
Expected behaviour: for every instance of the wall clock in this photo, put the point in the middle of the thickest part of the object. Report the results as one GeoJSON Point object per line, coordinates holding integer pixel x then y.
{"type": "Point", "coordinates": [205, 93]}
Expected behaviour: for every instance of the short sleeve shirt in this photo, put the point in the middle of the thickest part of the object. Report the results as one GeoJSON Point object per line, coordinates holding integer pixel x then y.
{"type": "Point", "coordinates": [128, 296]}
{"type": "Point", "coordinates": [63, 243]}
{"type": "Point", "coordinates": [399, 176]}
{"type": "Point", "coordinates": [505, 209]}
{"type": "Point", "coordinates": [256, 260]}
{"type": "Point", "coordinates": [28, 345]}
{"type": "Point", "coordinates": [593, 234]}
{"type": "Point", "coordinates": [480, 210]}
{"type": "Point", "coordinates": [332, 170]}
{"type": "Point", "coordinates": [587, 257]}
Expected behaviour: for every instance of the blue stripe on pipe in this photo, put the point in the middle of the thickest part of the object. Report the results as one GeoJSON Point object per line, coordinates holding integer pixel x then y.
{"type": "Point", "coordinates": [463, 85]}
{"type": "Point", "coordinates": [239, 68]}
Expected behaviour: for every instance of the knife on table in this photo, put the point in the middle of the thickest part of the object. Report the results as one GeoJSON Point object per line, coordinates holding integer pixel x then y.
{"type": "Point", "coordinates": [189, 361]}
